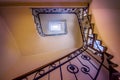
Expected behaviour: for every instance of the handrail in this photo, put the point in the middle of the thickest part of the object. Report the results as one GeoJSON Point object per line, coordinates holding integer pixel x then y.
{"type": "Point", "coordinates": [82, 49]}
{"type": "Point", "coordinates": [54, 66]}
{"type": "Point", "coordinates": [97, 60]}
{"type": "Point", "coordinates": [40, 68]}
{"type": "Point", "coordinates": [116, 75]}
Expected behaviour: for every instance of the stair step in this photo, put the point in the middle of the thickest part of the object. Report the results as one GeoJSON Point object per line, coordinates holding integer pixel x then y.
{"type": "Point", "coordinates": [92, 26]}
{"type": "Point", "coordinates": [95, 36]}
{"type": "Point", "coordinates": [85, 22]}
{"type": "Point", "coordinates": [98, 42]}
{"type": "Point", "coordinates": [112, 64]}
{"type": "Point", "coordinates": [89, 18]}
{"type": "Point", "coordinates": [116, 74]}
{"type": "Point", "coordinates": [98, 55]}
{"type": "Point", "coordinates": [109, 56]}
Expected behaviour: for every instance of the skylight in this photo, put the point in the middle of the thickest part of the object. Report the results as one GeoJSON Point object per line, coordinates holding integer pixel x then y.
{"type": "Point", "coordinates": [57, 27]}
{"type": "Point", "coordinates": [46, 27]}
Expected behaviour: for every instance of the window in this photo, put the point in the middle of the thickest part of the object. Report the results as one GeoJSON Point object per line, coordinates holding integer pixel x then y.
{"type": "Point", "coordinates": [55, 27]}
{"type": "Point", "coordinates": [97, 46]}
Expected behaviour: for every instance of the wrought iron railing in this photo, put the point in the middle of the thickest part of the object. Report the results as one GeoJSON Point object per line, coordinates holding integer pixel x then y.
{"type": "Point", "coordinates": [76, 62]}
{"type": "Point", "coordinates": [66, 62]}
{"type": "Point", "coordinates": [90, 40]}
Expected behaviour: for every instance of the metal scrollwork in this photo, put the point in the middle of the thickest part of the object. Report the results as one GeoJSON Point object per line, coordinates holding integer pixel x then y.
{"type": "Point", "coordinates": [39, 73]}
{"type": "Point", "coordinates": [76, 53]}
{"type": "Point", "coordinates": [70, 57]}
{"type": "Point", "coordinates": [25, 78]}
{"type": "Point", "coordinates": [85, 57]}
{"type": "Point", "coordinates": [53, 65]}
{"type": "Point", "coordinates": [85, 69]}
{"type": "Point", "coordinates": [72, 68]}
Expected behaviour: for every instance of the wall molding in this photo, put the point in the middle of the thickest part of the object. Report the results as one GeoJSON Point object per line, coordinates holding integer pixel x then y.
{"type": "Point", "coordinates": [7, 4]}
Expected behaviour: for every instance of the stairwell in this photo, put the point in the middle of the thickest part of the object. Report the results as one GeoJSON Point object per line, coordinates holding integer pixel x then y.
{"type": "Point", "coordinates": [97, 44]}
{"type": "Point", "coordinates": [90, 62]}
{"type": "Point", "coordinates": [92, 47]}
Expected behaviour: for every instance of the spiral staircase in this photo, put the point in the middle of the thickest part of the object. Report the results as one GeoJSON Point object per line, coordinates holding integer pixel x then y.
{"type": "Point", "coordinates": [90, 62]}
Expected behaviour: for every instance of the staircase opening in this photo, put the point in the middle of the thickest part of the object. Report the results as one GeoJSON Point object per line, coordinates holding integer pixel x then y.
{"type": "Point", "coordinates": [56, 18]}
{"type": "Point", "coordinates": [86, 63]}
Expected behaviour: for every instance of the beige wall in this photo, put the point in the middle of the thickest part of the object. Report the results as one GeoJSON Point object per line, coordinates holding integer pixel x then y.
{"type": "Point", "coordinates": [21, 24]}
{"type": "Point", "coordinates": [9, 52]}
{"type": "Point", "coordinates": [25, 49]}
{"type": "Point", "coordinates": [107, 21]}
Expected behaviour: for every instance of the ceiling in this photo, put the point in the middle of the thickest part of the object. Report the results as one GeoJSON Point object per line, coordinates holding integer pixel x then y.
{"type": "Point", "coordinates": [45, 0]}
{"type": "Point", "coordinates": [21, 24]}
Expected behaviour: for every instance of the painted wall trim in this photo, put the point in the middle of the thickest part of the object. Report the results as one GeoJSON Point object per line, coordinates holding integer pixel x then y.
{"type": "Point", "coordinates": [4, 4]}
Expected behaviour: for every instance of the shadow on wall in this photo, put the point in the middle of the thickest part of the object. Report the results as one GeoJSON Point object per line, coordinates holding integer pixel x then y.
{"type": "Point", "coordinates": [107, 21]}
{"type": "Point", "coordinates": [22, 26]}
{"type": "Point", "coordinates": [9, 52]}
